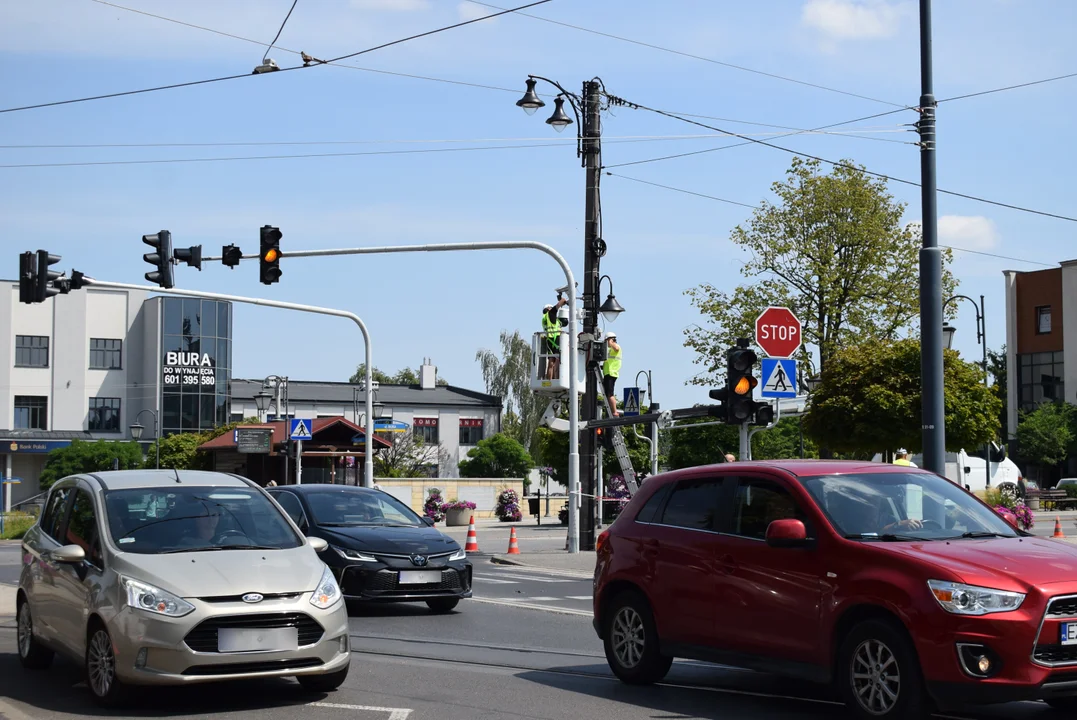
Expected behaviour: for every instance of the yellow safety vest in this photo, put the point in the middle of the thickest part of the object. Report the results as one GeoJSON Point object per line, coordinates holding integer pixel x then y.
{"type": "Point", "coordinates": [902, 462]}
{"type": "Point", "coordinates": [552, 328]}
{"type": "Point", "coordinates": [612, 365]}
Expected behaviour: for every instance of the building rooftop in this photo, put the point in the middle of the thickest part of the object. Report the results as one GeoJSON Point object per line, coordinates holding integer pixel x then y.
{"type": "Point", "coordinates": [344, 393]}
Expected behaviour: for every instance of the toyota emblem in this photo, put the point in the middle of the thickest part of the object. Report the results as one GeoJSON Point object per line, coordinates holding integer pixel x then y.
{"type": "Point", "coordinates": [253, 598]}
{"type": "Point", "coordinates": [418, 560]}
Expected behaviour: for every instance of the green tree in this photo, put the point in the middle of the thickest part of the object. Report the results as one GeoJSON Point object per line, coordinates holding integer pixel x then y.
{"type": "Point", "coordinates": [782, 442]}
{"type": "Point", "coordinates": [404, 376]}
{"type": "Point", "coordinates": [509, 378]}
{"type": "Point", "coordinates": [406, 457]}
{"type": "Point", "coordinates": [180, 450]}
{"type": "Point", "coordinates": [996, 369]}
{"type": "Point", "coordinates": [692, 446]}
{"type": "Point", "coordinates": [497, 456]}
{"type": "Point", "coordinates": [869, 400]}
{"type": "Point", "coordinates": [1046, 436]}
{"type": "Point", "coordinates": [82, 457]}
{"type": "Point", "coordinates": [835, 250]}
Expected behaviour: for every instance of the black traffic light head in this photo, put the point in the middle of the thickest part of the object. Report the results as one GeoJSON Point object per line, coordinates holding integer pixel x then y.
{"type": "Point", "coordinates": [192, 256]}
{"type": "Point", "coordinates": [161, 259]}
{"type": "Point", "coordinates": [740, 382]}
{"type": "Point", "coordinates": [269, 270]}
{"type": "Point", "coordinates": [45, 279]}
{"type": "Point", "coordinates": [27, 277]}
{"type": "Point", "coordinates": [764, 413]}
{"type": "Point", "coordinates": [231, 255]}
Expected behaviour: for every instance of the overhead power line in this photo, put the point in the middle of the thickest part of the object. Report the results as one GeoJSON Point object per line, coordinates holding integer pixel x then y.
{"type": "Point", "coordinates": [296, 67]}
{"type": "Point", "coordinates": [757, 207]}
{"type": "Point", "coordinates": [1010, 87]}
{"type": "Point", "coordinates": [277, 36]}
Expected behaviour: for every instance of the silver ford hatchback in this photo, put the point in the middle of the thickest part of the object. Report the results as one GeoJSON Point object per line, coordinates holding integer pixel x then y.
{"type": "Point", "coordinates": [153, 577]}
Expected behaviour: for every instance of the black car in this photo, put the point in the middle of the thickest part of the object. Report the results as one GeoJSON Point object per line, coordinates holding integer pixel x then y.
{"type": "Point", "coordinates": [379, 549]}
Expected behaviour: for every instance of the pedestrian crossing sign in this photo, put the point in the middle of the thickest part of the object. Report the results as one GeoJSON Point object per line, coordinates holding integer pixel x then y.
{"type": "Point", "coordinates": [630, 408]}
{"type": "Point", "coordinates": [300, 429]}
{"type": "Point", "coordinates": [779, 378]}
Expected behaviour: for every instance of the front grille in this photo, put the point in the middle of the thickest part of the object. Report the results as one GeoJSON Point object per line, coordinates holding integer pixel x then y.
{"type": "Point", "coordinates": [1063, 607]}
{"type": "Point", "coordinates": [239, 598]}
{"type": "Point", "coordinates": [1055, 653]}
{"type": "Point", "coordinates": [252, 667]}
{"type": "Point", "coordinates": [204, 637]}
{"type": "Point", "coordinates": [356, 582]}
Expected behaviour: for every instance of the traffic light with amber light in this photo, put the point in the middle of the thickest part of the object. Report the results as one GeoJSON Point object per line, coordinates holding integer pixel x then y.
{"type": "Point", "coordinates": [269, 256]}
{"type": "Point", "coordinates": [160, 259]}
{"type": "Point", "coordinates": [45, 279]}
{"type": "Point", "coordinates": [740, 382]}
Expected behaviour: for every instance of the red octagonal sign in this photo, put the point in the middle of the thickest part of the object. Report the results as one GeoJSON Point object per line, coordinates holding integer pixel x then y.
{"type": "Point", "coordinates": [777, 331]}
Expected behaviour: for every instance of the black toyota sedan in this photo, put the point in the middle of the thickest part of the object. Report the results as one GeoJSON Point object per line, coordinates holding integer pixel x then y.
{"type": "Point", "coordinates": [379, 549]}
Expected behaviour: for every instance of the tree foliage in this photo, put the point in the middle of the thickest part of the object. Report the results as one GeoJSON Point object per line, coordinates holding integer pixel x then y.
{"type": "Point", "coordinates": [406, 457]}
{"type": "Point", "coordinates": [180, 451]}
{"type": "Point", "coordinates": [1048, 434]}
{"type": "Point", "coordinates": [404, 376]}
{"type": "Point", "coordinates": [83, 457]}
{"type": "Point", "coordinates": [996, 369]}
{"type": "Point", "coordinates": [692, 446]}
{"type": "Point", "coordinates": [498, 456]}
{"type": "Point", "coordinates": [834, 249]}
{"type": "Point", "coordinates": [869, 400]}
{"type": "Point", "coordinates": [509, 378]}
{"type": "Point", "coordinates": [550, 449]}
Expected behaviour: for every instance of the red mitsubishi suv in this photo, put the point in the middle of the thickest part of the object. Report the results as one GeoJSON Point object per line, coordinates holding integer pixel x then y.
{"type": "Point", "coordinates": [900, 588]}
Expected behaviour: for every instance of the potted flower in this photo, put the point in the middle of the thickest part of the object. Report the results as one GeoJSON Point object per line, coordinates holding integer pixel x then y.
{"type": "Point", "coordinates": [432, 506]}
{"type": "Point", "coordinates": [1020, 515]}
{"type": "Point", "coordinates": [457, 512]}
{"type": "Point", "coordinates": [508, 506]}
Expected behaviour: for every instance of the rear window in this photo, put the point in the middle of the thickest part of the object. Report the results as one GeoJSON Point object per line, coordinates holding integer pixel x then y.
{"type": "Point", "coordinates": [192, 519]}
{"type": "Point", "coordinates": [648, 512]}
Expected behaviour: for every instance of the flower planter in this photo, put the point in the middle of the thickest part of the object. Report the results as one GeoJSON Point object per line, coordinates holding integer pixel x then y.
{"type": "Point", "coordinates": [456, 518]}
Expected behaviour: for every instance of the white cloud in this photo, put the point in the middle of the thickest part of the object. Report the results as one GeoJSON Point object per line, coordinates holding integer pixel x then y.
{"type": "Point", "coordinates": [392, 5]}
{"type": "Point", "coordinates": [471, 11]}
{"type": "Point", "coordinates": [973, 232]}
{"type": "Point", "coordinates": [854, 19]}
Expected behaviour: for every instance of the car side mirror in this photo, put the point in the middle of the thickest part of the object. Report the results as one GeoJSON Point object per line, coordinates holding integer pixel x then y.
{"type": "Point", "coordinates": [787, 533]}
{"type": "Point", "coordinates": [318, 544]}
{"type": "Point", "coordinates": [428, 520]}
{"type": "Point", "coordinates": [69, 554]}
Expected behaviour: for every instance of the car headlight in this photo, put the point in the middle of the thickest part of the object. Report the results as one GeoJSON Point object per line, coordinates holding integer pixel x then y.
{"type": "Point", "coordinates": [962, 599]}
{"type": "Point", "coordinates": [354, 554]}
{"type": "Point", "coordinates": [153, 599]}
{"type": "Point", "coordinates": [458, 555]}
{"type": "Point", "coordinates": [327, 593]}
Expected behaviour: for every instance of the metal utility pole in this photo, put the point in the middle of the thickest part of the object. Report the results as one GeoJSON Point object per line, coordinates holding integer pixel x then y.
{"type": "Point", "coordinates": [593, 250]}
{"type": "Point", "coordinates": [931, 369]}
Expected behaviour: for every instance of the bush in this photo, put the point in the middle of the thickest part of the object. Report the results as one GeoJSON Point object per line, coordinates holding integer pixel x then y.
{"type": "Point", "coordinates": [432, 507]}
{"type": "Point", "coordinates": [508, 506]}
{"type": "Point", "coordinates": [16, 524]}
{"type": "Point", "coordinates": [82, 457]}
{"type": "Point", "coordinates": [498, 456]}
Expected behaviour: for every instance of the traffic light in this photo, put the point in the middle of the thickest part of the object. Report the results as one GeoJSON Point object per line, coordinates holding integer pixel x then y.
{"type": "Point", "coordinates": [46, 278]}
{"type": "Point", "coordinates": [161, 259]}
{"type": "Point", "coordinates": [192, 256]}
{"type": "Point", "coordinates": [231, 255]}
{"type": "Point", "coordinates": [27, 277]}
{"type": "Point", "coordinates": [604, 437]}
{"type": "Point", "coordinates": [269, 256]}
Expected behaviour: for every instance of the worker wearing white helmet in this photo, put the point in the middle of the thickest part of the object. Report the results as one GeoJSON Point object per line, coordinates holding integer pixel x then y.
{"type": "Point", "coordinates": [611, 370]}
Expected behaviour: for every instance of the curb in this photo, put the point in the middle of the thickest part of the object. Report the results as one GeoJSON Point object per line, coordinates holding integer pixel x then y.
{"type": "Point", "coordinates": [578, 574]}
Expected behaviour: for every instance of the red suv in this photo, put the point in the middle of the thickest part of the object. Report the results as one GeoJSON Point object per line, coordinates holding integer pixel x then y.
{"type": "Point", "coordinates": [894, 584]}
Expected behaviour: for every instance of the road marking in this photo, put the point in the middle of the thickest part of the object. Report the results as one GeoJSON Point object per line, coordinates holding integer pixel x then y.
{"type": "Point", "coordinates": [394, 713]}
{"type": "Point", "coordinates": [543, 599]}
{"type": "Point", "coordinates": [495, 581]}
{"type": "Point", "coordinates": [529, 606]}
{"type": "Point", "coordinates": [579, 597]}
{"type": "Point", "coordinates": [533, 578]}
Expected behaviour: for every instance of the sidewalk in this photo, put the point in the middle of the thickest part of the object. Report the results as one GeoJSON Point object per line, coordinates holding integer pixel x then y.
{"type": "Point", "coordinates": [582, 564]}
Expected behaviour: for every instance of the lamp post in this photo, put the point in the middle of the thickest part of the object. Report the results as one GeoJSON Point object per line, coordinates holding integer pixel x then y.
{"type": "Point", "coordinates": [610, 309]}
{"type": "Point", "coordinates": [981, 338]}
{"type": "Point", "coordinates": [261, 401]}
{"type": "Point", "coordinates": [280, 386]}
{"type": "Point", "coordinates": [136, 433]}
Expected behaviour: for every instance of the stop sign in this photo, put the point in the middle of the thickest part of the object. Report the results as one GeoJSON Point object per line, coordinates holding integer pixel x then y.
{"type": "Point", "coordinates": [777, 331]}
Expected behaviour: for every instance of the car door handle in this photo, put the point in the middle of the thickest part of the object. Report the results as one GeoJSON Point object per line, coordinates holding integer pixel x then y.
{"type": "Point", "coordinates": [727, 564]}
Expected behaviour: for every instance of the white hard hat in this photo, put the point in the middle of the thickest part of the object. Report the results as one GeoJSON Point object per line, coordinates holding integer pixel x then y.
{"type": "Point", "coordinates": [547, 306]}
{"type": "Point", "coordinates": [611, 335]}
{"type": "Point", "coordinates": [902, 451]}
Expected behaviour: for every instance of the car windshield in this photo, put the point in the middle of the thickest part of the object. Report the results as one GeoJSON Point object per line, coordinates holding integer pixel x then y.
{"type": "Point", "coordinates": [359, 507]}
{"type": "Point", "coordinates": [903, 506]}
{"type": "Point", "coordinates": [196, 519]}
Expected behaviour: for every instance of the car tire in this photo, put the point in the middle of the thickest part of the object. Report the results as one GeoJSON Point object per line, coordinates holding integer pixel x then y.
{"type": "Point", "coordinates": [32, 654]}
{"type": "Point", "coordinates": [100, 667]}
{"type": "Point", "coordinates": [870, 688]}
{"type": "Point", "coordinates": [630, 639]}
{"type": "Point", "coordinates": [323, 683]}
{"type": "Point", "coordinates": [442, 605]}
{"type": "Point", "coordinates": [1063, 704]}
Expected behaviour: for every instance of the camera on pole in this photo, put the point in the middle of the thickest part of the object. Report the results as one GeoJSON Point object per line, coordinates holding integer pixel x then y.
{"type": "Point", "coordinates": [161, 259]}
{"type": "Point", "coordinates": [269, 270]}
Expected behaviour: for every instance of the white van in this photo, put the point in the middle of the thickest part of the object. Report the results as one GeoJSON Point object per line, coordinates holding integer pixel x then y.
{"type": "Point", "coordinates": [968, 470]}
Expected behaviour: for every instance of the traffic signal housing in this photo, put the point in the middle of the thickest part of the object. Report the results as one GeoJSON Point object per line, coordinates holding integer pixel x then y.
{"type": "Point", "coordinates": [740, 382]}
{"type": "Point", "coordinates": [269, 270]}
{"type": "Point", "coordinates": [27, 277]}
{"type": "Point", "coordinates": [44, 278]}
{"type": "Point", "coordinates": [191, 256]}
{"type": "Point", "coordinates": [161, 259]}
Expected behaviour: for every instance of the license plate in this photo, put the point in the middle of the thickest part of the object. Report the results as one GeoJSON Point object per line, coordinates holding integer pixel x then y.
{"type": "Point", "coordinates": [1069, 633]}
{"type": "Point", "coordinates": [419, 577]}
{"type": "Point", "coordinates": [257, 639]}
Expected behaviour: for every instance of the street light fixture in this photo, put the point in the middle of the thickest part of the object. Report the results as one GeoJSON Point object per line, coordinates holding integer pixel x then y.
{"type": "Point", "coordinates": [560, 119]}
{"type": "Point", "coordinates": [811, 383]}
{"type": "Point", "coordinates": [261, 401]}
{"type": "Point", "coordinates": [530, 102]}
{"type": "Point", "coordinates": [136, 429]}
{"type": "Point", "coordinates": [948, 331]}
{"type": "Point", "coordinates": [611, 308]}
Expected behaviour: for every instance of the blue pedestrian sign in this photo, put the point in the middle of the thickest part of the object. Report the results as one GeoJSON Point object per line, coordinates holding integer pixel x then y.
{"type": "Point", "coordinates": [630, 408]}
{"type": "Point", "coordinates": [300, 429]}
{"type": "Point", "coordinates": [779, 378]}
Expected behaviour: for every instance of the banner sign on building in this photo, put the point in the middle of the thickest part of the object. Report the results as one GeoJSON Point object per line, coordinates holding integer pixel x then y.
{"type": "Point", "coordinates": [189, 369]}
{"type": "Point", "coordinates": [254, 440]}
{"type": "Point", "coordinates": [467, 422]}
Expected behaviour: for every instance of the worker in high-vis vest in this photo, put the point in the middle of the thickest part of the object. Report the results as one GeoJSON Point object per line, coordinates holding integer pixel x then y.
{"type": "Point", "coordinates": [551, 325]}
{"type": "Point", "coordinates": [902, 458]}
{"type": "Point", "coordinates": [611, 369]}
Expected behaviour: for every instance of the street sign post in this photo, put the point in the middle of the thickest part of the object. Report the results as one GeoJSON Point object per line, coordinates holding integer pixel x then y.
{"type": "Point", "coordinates": [630, 408]}
{"type": "Point", "coordinates": [300, 431]}
{"type": "Point", "coordinates": [779, 378]}
{"type": "Point", "coordinates": [778, 332]}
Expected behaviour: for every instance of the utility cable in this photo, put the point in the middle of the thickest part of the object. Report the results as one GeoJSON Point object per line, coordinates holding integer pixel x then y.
{"type": "Point", "coordinates": [1009, 87]}
{"type": "Point", "coordinates": [277, 36]}
{"type": "Point", "coordinates": [296, 67]}
{"type": "Point", "coordinates": [757, 207]}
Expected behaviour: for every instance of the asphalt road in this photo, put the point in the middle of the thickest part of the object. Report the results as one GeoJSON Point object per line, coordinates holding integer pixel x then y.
{"type": "Point", "coordinates": [505, 584]}
{"type": "Point", "coordinates": [9, 563]}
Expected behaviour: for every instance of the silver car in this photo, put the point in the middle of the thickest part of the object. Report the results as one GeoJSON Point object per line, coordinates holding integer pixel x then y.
{"type": "Point", "coordinates": [153, 577]}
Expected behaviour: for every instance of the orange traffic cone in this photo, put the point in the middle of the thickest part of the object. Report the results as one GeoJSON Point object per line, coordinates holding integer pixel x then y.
{"type": "Point", "coordinates": [514, 547]}
{"type": "Point", "coordinates": [1058, 529]}
{"type": "Point", "coordinates": [472, 537]}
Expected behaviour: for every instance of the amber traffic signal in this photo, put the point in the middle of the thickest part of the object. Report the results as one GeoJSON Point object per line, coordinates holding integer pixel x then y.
{"type": "Point", "coordinates": [269, 270]}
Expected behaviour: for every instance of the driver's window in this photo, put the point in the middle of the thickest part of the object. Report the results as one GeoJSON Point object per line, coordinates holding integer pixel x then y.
{"type": "Point", "coordinates": [291, 505]}
{"type": "Point", "coordinates": [757, 504]}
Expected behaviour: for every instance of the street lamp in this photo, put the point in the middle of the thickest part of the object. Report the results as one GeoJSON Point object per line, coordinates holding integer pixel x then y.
{"type": "Point", "coordinates": [530, 102]}
{"type": "Point", "coordinates": [261, 401]}
{"type": "Point", "coordinates": [981, 338]}
{"type": "Point", "coordinates": [136, 433]}
{"type": "Point", "coordinates": [948, 331]}
{"type": "Point", "coordinates": [559, 120]}
{"type": "Point", "coordinates": [610, 309]}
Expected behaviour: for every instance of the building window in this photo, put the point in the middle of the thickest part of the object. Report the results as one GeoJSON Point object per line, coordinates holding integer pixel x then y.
{"type": "Point", "coordinates": [106, 354]}
{"type": "Point", "coordinates": [1043, 320]}
{"type": "Point", "coordinates": [470, 431]}
{"type": "Point", "coordinates": [31, 412]}
{"type": "Point", "coordinates": [104, 415]}
{"type": "Point", "coordinates": [1040, 379]}
{"type": "Point", "coordinates": [426, 429]}
{"type": "Point", "coordinates": [235, 417]}
{"type": "Point", "coordinates": [31, 351]}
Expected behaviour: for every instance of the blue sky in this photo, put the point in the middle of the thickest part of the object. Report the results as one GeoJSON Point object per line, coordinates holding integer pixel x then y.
{"type": "Point", "coordinates": [1013, 147]}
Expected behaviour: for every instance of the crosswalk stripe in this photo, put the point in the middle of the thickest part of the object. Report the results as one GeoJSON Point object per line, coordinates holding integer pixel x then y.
{"type": "Point", "coordinates": [579, 597]}
{"type": "Point", "coordinates": [543, 599]}
{"type": "Point", "coordinates": [534, 578]}
{"type": "Point", "coordinates": [494, 581]}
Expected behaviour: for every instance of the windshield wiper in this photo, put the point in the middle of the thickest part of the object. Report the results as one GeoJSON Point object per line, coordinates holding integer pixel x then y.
{"type": "Point", "coordinates": [885, 537]}
{"type": "Point", "coordinates": [248, 547]}
{"type": "Point", "coordinates": [190, 549]}
{"type": "Point", "coordinates": [982, 534]}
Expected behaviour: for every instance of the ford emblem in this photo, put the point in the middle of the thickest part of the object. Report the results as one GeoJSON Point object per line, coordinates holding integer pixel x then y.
{"type": "Point", "coordinates": [418, 560]}
{"type": "Point", "coordinates": [253, 598]}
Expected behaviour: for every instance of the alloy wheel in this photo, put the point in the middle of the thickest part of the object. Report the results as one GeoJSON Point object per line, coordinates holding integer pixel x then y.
{"type": "Point", "coordinates": [628, 637]}
{"type": "Point", "coordinates": [876, 677]}
{"type": "Point", "coordinates": [25, 630]}
{"type": "Point", "coordinates": [101, 663]}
